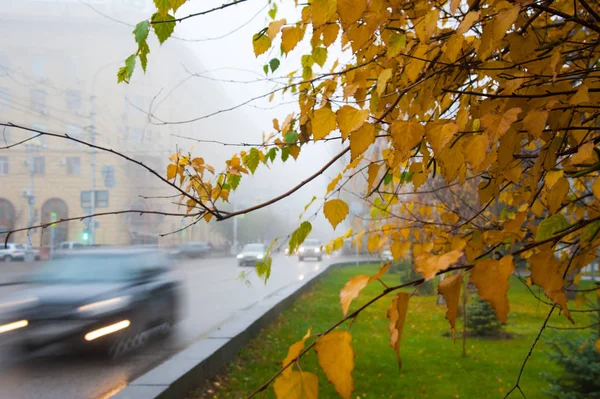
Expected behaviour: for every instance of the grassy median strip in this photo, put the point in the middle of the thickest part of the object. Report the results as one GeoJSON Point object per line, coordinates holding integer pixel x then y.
{"type": "Point", "coordinates": [433, 365]}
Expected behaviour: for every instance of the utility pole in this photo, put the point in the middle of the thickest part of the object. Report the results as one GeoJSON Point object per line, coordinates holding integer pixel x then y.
{"type": "Point", "coordinates": [92, 228]}
{"type": "Point", "coordinates": [30, 197]}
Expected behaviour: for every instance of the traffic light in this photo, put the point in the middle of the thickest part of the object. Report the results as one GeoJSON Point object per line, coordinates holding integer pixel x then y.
{"type": "Point", "coordinates": [85, 235]}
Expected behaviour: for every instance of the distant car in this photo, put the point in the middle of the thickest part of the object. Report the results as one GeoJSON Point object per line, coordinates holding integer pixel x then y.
{"type": "Point", "coordinates": [108, 299]}
{"type": "Point", "coordinates": [251, 254]}
{"type": "Point", "coordinates": [12, 252]}
{"type": "Point", "coordinates": [310, 249]}
{"type": "Point", "coordinates": [193, 250]}
{"type": "Point", "coordinates": [386, 256]}
{"type": "Point", "coordinates": [67, 247]}
{"type": "Point", "coordinates": [34, 251]}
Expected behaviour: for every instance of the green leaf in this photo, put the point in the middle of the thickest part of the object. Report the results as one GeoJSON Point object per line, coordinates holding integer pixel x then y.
{"type": "Point", "coordinates": [124, 74]}
{"type": "Point", "coordinates": [163, 30]}
{"type": "Point", "coordinates": [233, 180]}
{"type": "Point", "coordinates": [299, 235]}
{"type": "Point", "coordinates": [266, 69]}
{"type": "Point", "coordinates": [590, 231]}
{"type": "Point", "coordinates": [405, 177]}
{"type": "Point", "coordinates": [319, 54]}
{"type": "Point", "coordinates": [252, 160]}
{"type": "Point", "coordinates": [307, 73]}
{"type": "Point", "coordinates": [387, 179]}
{"type": "Point", "coordinates": [291, 137]}
{"type": "Point", "coordinates": [141, 31]}
{"type": "Point", "coordinates": [263, 269]}
{"type": "Point", "coordinates": [285, 153]}
{"type": "Point", "coordinates": [307, 61]}
{"type": "Point", "coordinates": [550, 226]}
{"type": "Point", "coordinates": [143, 51]}
{"type": "Point", "coordinates": [274, 63]}
{"type": "Point", "coordinates": [162, 6]}
{"type": "Point", "coordinates": [397, 43]}
{"type": "Point", "coordinates": [273, 11]}
{"type": "Point", "coordinates": [271, 154]}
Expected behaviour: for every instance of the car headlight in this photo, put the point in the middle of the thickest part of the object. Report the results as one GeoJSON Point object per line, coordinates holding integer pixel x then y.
{"type": "Point", "coordinates": [301, 249]}
{"type": "Point", "coordinates": [259, 256]}
{"type": "Point", "coordinates": [240, 256]}
{"type": "Point", "coordinates": [317, 250]}
{"type": "Point", "coordinates": [104, 306]}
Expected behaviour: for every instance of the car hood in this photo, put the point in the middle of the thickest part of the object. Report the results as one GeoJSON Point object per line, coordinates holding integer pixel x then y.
{"type": "Point", "coordinates": [252, 253]}
{"type": "Point", "coordinates": [60, 294]}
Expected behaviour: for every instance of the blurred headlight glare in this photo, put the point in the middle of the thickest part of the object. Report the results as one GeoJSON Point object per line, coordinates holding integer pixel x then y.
{"type": "Point", "coordinates": [18, 302]}
{"type": "Point", "coordinates": [317, 250]}
{"type": "Point", "coordinates": [105, 306]}
{"type": "Point", "coordinates": [259, 256]}
{"type": "Point", "coordinates": [240, 256]}
{"type": "Point", "coordinates": [107, 330]}
{"type": "Point", "coordinates": [13, 326]}
{"type": "Point", "coordinates": [301, 249]}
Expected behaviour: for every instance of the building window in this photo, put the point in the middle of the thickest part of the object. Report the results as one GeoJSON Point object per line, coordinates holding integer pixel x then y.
{"type": "Point", "coordinates": [74, 166]}
{"type": "Point", "coordinates": [38, 100]}
{"type": "Point", "coordinates": [101, 199]}
{"type": "Point", "coordinates": [137, 136]}
{"type": "Point", "coordinates": [74, 100]}
{"type": "Point", "coordinates": [5, 99]}
{"type": "Point", "coordinates": [38, 68]}
{"type": "Point", "coordinates": [39, 165]}
{"type": "Point", "coordinates": [3, 166]}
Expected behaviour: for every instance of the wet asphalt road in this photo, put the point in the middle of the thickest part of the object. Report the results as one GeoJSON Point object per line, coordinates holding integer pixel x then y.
{"type": "Point", "coordinates": [214, 293]}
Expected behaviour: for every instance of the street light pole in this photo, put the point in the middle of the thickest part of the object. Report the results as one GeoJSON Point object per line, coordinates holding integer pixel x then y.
{"type": "Point", "coordinates": [92, 228]}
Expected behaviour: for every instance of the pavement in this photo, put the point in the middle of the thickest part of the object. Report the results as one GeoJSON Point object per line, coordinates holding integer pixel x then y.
{"type": "Point", "coordinates": [214, 296]}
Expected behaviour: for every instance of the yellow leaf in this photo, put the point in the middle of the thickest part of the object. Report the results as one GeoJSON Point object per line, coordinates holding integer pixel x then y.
{"type": "Point", "coordinates": [449, 288]}
{"type": "Point", "coordinates": [596, 188]}
{"type": "Point", "coordinates": [373, 242]}
{"type": "Point", "coordinates": [351, 291]}
{"type": "Point", "coordinates": [467, 22]}
{"type": "Point", "coordinates": [335, 211]}
{"type": "Point", "coordinates": [399, 249]}
{"type": "Point", "coordinates": [274, 28]}
{"type": "Point", "coordinates": [546, 272]}
{"type": "Point", "coordinates": [475, 150]}
{"type": "Point", "coordinates": [552, 177]}
{"type": "Point", "coordinates": [294, 352]}
{"type": "Point", "coordinates": [333, 183]}
{"type": "Point", "coordinates": [261, 43]}
{"type": "Point", "coordinates": [330, 33]}
{"type": "Point", "coordinates": [598, 345]}
{"type": "Point", "coordinates": [427, 25]}
{"type": "Point", "coordinates": [495, 30]}
{"type": "Point", "coordinates": [382, 270]}
{"type": "Point", "coordinates": [323, 122]}
{"type": "Point", "coordinates": [439, 134]}
{"type": "Point", "coordinates": [491, 279]}
{"type": "Point", "coordinates": [427, 265]}
{"type": "Point", "coordinates": [171, 171]}
{"type": "Point", "coordinates": [497, 125]}
{"type": "Point", "coordinates": [557, 194]}
{"type": "Point", "coordinates": [351, 10]}
{"type": "Point", "coordinates": [297, 385]}
{"type": "Point", "coordinates": [584, 154]}
{"type": "Point", "coordinates": [361, 139]}
{"type": "Point", "coordinates": [372, 172]}
{"type": "Point", "coordinates": [336, 358]}
{"type": "Point", "coordinates": [322, 11]}
{"type": "Point", "coordinates": [453, 47]}
{"type": "Point", "coordinates": [535, 122]}
{"type": "Point", "coordinates": [290, 36]}
{"type": "Point", "coordinates": [383, 78]}
{"type": "Point", "coordinates": [350, 119]}
{"type": "Point", "coordinates": [406, 135]}
{"type": "Point", "coordinates": [397, 315]}
{"type": "Point", "coordinates": [454, 5]}
{"type": "Point", "coordinates": [581, 96]}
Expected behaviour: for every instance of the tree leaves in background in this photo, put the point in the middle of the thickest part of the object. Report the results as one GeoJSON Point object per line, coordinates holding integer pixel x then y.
{"type": "Point", "coordinates": [336, 358]}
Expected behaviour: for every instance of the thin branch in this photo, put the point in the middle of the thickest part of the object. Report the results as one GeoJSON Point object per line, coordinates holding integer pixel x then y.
{"type": "Point", "coordinates": [197, 14]}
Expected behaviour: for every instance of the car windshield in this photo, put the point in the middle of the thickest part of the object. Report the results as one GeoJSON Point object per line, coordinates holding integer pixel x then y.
{"type": "Point", "coordinates": [92, 268]}
{"type": "Point", "coordinates": [312, 243]}
{"type": "Point", "coordinates": [254, 248]}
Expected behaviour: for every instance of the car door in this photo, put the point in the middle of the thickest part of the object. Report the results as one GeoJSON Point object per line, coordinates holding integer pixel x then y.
{"type": "Point", "coordinates": [159, 291]}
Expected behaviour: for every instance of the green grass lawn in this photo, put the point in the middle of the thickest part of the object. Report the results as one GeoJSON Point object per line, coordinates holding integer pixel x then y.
{"type": "Point", "coordinates": [433, 365]}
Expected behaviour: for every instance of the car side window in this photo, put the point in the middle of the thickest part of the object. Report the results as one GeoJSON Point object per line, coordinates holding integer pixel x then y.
{"type": "Point", "coordinates": [77, 246]}
{"type": "Point", "coordinates": [64, 246]}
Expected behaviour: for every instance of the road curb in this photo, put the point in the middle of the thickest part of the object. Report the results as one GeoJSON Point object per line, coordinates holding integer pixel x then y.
{"type": "Point", "coordinates": [182, 373]}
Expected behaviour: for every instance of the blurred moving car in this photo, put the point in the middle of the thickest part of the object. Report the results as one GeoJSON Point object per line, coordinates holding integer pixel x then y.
{"type": "Point", "coordinates": [193, 250]}
{"type": "Point", "coordinates": [108, 299]}
{"type": "Point", "coordinates": [66, 247]}
{"type": "Point", "coordinates": [386, 256]}
{"type": "Point", "coordinates": [11, 252]}
{"type": "Point", "coordinates": [251, 254]}
{"type": "Point", "coordinates": [310, 249]}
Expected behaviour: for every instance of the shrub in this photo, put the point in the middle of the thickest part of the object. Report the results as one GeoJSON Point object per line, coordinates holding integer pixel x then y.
{"type": "Point", "coordinates": [481, 318]}
{"type": "Point", "coordinates": [576, 354]}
